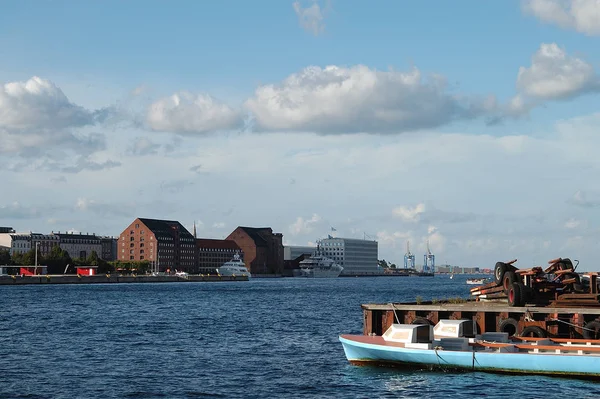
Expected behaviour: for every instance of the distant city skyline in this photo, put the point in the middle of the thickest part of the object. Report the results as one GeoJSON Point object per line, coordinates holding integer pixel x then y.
{"type": "Point", "coordinates": [469, 125]}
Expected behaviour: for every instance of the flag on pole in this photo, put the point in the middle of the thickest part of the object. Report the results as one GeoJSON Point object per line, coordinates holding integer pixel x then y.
{"type": "Point", "coordinates": [332, 229]}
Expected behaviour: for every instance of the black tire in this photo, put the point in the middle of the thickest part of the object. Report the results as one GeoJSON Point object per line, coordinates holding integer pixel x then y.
{"type": "Point", "coordinates": [422, 320]}
{"type": "Point", "coordinates": [515, 295]}
{"type": "Point", "coordinates": [508, 279]}
{"type": "Point", "coordinates": [533, 331]}
{"type": "Point", "coordinates": [592, 325]}
{"type": "Point", "coordinates": [510, 326]}
{"type": "Point", "coordinates": [499, 270]}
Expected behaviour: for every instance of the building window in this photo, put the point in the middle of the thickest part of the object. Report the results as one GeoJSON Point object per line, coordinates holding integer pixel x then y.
{"type": "Point", "coordinates": [130, 231]}
{"type": "Point", "coordinates": [131, 258]}
{"type": "Point", "coordinates": [142, 245]}
{"type": "Point", "coordinates": [131, 238]}
{"type": "Point", "coordinates": [142, 257]}
{"type": "Point", "coordinates": [131, 245]}
{"type": "Point", "coordinates": [137, 225]}
{"type": "Point", "coordinates": [142, 232]}
{"type": "Point", "coordinates": [131, 251]}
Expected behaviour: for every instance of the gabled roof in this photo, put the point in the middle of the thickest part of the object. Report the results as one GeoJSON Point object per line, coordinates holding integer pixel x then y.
{"type": "Point", "coordinates": [165, 228]}
{"type": "Point", "coordinates": [254, 233]}
{"type": "Point", "coordinates": [216, 244]}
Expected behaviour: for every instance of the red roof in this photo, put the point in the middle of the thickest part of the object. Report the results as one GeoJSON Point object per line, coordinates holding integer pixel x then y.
{"type": "Point", "coordinates": [210, 243]}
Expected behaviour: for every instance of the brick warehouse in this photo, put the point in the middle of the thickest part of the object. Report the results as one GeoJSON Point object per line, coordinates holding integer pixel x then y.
{"type": "Point", "coordinates": [213, 253]}
{"type": "Point", "coordinates": [165, 243]}
{"type": "Point", "coordinates": [263, 249]}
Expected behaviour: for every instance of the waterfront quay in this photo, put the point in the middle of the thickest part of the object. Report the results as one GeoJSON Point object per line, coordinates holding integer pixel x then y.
{"type": "Point", "coordinates": [113, 279]}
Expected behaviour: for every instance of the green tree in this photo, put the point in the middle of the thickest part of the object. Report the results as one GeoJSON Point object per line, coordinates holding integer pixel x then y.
{"type": "Point", "coordinates": [57, 260]}
{"type": "Point", "coordinates": [5, 258]}
{"type": "Point", "coordinates": [105, 267]}
{"type": "Point", "coordinates": [25, 259]}
{"type": "Point", "coordinates": [92, 260]}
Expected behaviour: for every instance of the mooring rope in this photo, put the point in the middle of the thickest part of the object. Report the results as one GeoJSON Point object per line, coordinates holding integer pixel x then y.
{"type": "Point", "coordinates": [395, 315]}
{"type": "Point", "coordinates": [574, 325]}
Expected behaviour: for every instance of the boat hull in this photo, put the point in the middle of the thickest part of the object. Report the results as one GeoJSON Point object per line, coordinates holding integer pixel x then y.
{"type": "Point", "coordinates": [359, 351]}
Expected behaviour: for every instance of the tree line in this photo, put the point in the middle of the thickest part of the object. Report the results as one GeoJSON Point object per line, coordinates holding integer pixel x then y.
{"type": "Point", "coordinates": [59, 261]}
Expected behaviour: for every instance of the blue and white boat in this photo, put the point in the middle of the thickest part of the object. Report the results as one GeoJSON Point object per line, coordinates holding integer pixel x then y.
{"type": "Point", "coordinates": [451, 344]}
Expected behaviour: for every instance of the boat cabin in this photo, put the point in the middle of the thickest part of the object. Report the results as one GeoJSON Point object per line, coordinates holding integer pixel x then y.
{"type": "Point", "coordinates": [454, 329]}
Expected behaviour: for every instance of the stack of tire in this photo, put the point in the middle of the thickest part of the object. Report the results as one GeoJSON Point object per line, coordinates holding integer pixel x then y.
{"type": "Point", "coordinates": [516, 292]}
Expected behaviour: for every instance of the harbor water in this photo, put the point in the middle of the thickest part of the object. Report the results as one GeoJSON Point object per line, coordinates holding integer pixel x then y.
{"type": "Point", "coordinates": [256, 339]}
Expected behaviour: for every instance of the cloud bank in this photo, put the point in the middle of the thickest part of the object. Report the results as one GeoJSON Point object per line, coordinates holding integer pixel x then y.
{"type": "Point", "coordinates": [580, 15]}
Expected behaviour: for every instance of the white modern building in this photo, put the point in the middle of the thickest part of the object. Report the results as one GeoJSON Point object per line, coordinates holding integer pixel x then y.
{"type": "Point", "coordinates": [293, 252]}
{"type": "Point", "coordinates": [17, 243]}
{"type": "Point", "coordinates": [357, 257]}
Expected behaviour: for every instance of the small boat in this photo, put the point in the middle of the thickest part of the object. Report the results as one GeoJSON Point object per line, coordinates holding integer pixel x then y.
{"type": "Point", "coordinates": [452, 276]}
{"type": "Point", "coordinates": [453, 344]}
{"type": "Point", "coordinates": [234, 267]}
{"type": "Point", "coordinates": [476, 281]}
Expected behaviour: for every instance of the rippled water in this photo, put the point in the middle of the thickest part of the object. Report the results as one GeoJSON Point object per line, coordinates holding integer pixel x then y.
{"type": "Point", "coordinates": [263, 338]}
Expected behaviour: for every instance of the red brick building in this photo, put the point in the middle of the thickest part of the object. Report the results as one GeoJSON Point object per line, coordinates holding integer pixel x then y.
{"type": "Point", "coordinates": [213, 253]}
{"type": "Point", "coordinates": [165, 243]}
{"type": "Point", "coordinates": [263, 249]}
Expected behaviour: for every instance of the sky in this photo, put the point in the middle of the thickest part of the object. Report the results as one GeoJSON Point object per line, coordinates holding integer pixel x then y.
{"type": "Point", "coordinates": [472, 126]}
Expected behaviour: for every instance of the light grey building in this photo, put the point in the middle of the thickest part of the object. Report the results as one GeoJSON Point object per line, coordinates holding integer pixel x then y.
{"type": "Point", "coordinates": [293, 252]}
{"type": "Point", "coordinates": [79, 245]}
{"type": "Point", "coordinates": [357, 257]}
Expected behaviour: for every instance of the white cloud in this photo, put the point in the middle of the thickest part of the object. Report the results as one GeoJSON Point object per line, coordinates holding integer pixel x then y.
{"type": "Point", "coordinates": [359, 99]}
{"type": "Point", "coordinates": [304, 226]}
{"type": "Point", "coordinates": [409, 214]}
{"type": "Point", "coordinates": [104, 209]}
{"type": "Point", "coordinates": [554, 74]}
{"type": "Point", "coordinates": [396, 239]}
{"type": "Point", "coordinates": [437, 242]}
{"type": "Point", "coordinates": [219, 225]}
{"type": "Point", "coordinates": [580, 15]}
{"type": "Point", "coordinates": [185, 112]}
{"type": "Point", "coordinates": [39, 104]}
{"type": "Point", "coordinates": [143, 146]}
{"type": "Point", "coordinates": [581, 199]}
{"type": "Point", "coordinates": [17, 211]}
{"type": "Point", "coordinates": [572, 223]}
{"type": "Point", "coordinates": [42, 130]}
{"type": "Point", "coordinates": [310, 18]}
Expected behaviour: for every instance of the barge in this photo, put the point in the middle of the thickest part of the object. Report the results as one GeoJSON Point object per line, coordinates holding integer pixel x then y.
{"type": "Point", "coordinates": [532, 321]}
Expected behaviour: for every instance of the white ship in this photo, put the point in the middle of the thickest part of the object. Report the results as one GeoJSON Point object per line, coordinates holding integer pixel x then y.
{"type": "Point", "coordinates": [319, 266]}
{"type": "Point", "coordinates": [234, 267]}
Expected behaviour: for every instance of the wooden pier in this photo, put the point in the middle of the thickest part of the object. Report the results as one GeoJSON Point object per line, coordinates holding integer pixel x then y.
{"type": "Point", "coordinates": [112, 278]}
{"type": "Point", "coordinates": [551, 321]}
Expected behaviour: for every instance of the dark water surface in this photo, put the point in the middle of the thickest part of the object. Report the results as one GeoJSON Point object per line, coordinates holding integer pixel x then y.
{"type": "Point", "coordinates": [262, 338]}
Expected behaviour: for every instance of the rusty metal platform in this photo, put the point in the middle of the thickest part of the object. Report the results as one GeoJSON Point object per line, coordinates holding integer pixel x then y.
{"type": "Point", "coordinates": [564, 321]}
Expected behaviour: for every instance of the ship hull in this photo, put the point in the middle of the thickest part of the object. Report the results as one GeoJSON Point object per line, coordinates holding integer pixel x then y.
{"type": "Point", "coordinates": [363, 350]}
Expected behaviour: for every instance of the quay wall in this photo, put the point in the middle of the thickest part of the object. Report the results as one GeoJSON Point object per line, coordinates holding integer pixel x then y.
{"type": "Point", "coordinates": [112, 279]}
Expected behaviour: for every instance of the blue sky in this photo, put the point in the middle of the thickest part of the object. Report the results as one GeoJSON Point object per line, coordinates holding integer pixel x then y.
{"type": "Point", "coordinates": [200, 100]}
